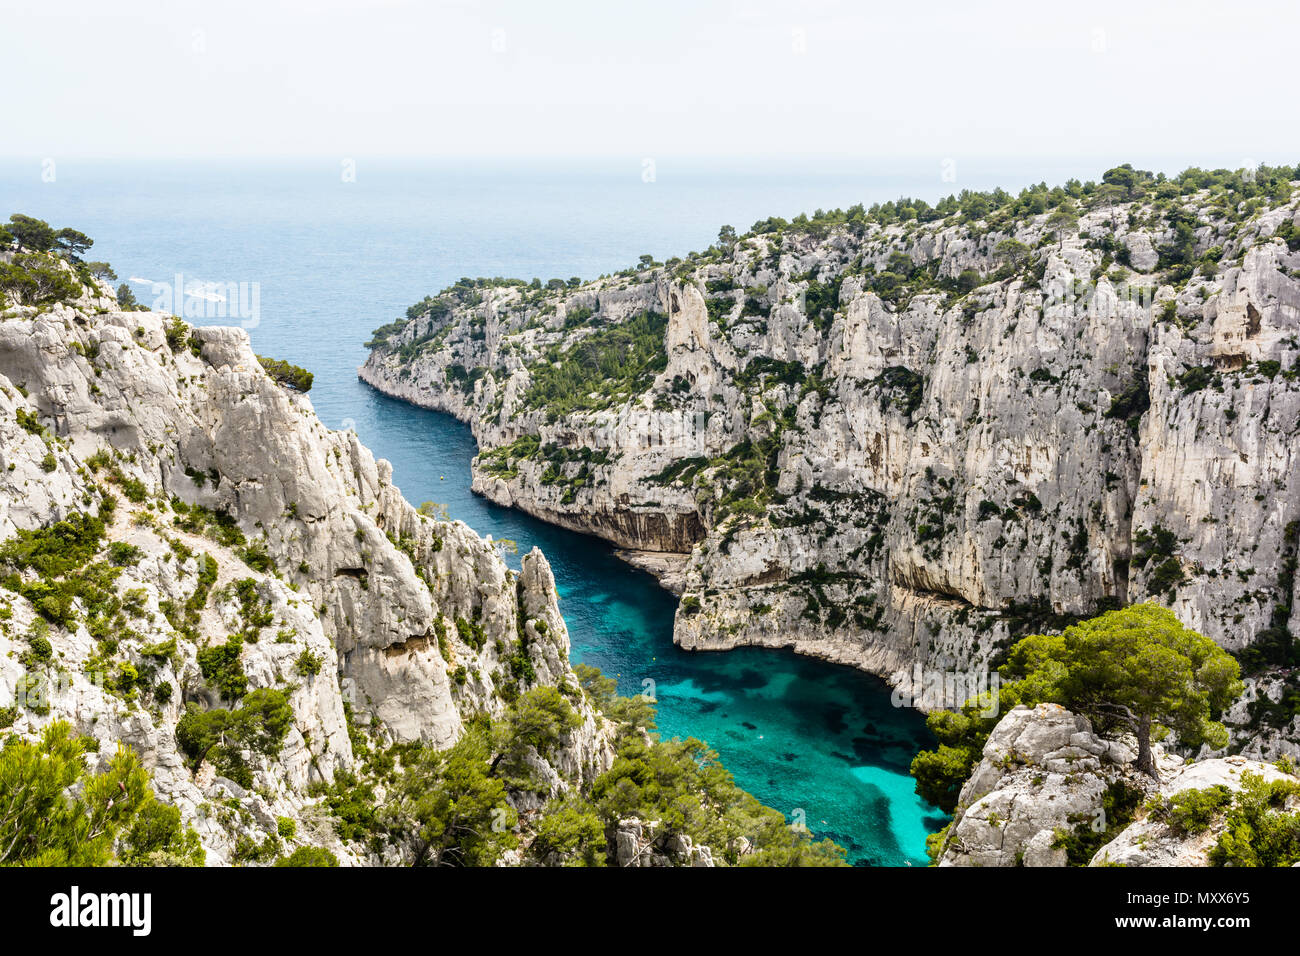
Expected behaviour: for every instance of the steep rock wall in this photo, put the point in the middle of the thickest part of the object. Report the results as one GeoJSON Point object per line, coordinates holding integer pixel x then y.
{"type": "Point", "coordinates": [891, 479]}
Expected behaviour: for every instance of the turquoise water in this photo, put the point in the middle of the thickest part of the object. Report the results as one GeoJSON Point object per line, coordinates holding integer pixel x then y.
{"type": "Point", "coordinates": [799, 734]}
{"type": "Point", "coordinates": [334, 260]}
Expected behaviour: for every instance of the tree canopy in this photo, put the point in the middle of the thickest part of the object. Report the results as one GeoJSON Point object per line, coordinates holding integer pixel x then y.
{"type": "Point", "coordinates": [35, 279]}
{"type": "Point", "coordinates": [1137, 669]}
{"type": "Point", "coordinates": [37, 235]}
{"type": "Point", "coordinates": [53, 812]}
{"type": "Point", "coordinates": [287, 374]}
{"type": "Point", "coordinates": [32, 234]}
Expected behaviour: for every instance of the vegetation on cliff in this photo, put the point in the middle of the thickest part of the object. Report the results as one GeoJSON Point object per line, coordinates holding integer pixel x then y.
{"type": "Point", "coordinates": [45, 265]}
{"type": "Point", "coordinates": [458, 807]}
{"type": "Point", "coordinates": [287, 374]}
{"type": "Point", "coordinates": [55, 812]}
{"type": "Point", "coordinates": [1136, 670]}
{"type": "Point", "coordinates": [790, 356]}
{"type": "Point", "coordinates": [608, 366]}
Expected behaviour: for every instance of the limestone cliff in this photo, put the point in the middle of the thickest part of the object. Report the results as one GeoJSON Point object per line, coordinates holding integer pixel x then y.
{"type": "Point", "coordinates": [244, 546]}
{"type": "Point", "coordinates": [903, 436]}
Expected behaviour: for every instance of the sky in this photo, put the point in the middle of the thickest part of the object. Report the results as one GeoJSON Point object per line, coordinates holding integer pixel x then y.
{"type": "Point", "coordinates": [1205, 83]}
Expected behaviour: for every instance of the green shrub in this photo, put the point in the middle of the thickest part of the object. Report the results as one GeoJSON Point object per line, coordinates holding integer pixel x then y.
{"type": "Point", "coordinates": [34, 279]}
{"type": "Point", "coordinates": [257, 557]}
{"type": "Point", "coordinates": [570, 832]}
{"type": "Point", "coordinates": [1132, 403]}
{"type": "Point", "coordinates": [900, 388]}
{"type": "Point", "coordinates": [121, 554]}
{"type": "Point", "coordinates": [1195, 379]}
{"type": "Point", "coordinates": [217, 525]}
{"type": "Point", "coordinates": [610, 365]}
{"type": "Point", "coordinates": [179, 335]}
{"type": "Point", "coordinates": [53, 812]}
{"type": "Point", "coordinates": [1259, 831]}
{"type": "Point", "coordinates": [126, 300]}
{"type": "Point", "coordinates": [29, 421]}
{"type": "Point", "coordinates": [470, 633]}
{"type": "Point", "coordinates": [260, 723]}
{"type": "Point", "coordinates": [1191, 811]}
{"type": "Point", "coordinates": [308, 664]}
{"type": "Point", "coordinates": [157, 837]}
{"type": "Point", "coordinates": [309, 856]}
{"type": "Point", "coordinates": [60, 555]}
{"type": "Point", "coordinates": [290, 376]}
{"type": "Point", "coordinates": [223, 668]}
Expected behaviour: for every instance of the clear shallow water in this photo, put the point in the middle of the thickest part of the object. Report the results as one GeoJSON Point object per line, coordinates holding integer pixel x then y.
{"type": "Point", "coordinates": [334, 260]}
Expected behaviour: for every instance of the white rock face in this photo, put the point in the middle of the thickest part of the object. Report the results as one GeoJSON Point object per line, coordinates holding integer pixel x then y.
{"type": "Point", "coordinates": [1043, 771]}
{"type": "Point", "coordinates": [351, 576]}
{"type": "Point", "coordinates": [941, 472]}
{"type": "Point", "coordinates": [1044, 775]}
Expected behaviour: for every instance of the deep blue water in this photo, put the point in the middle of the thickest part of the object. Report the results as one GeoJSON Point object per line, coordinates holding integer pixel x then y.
{"type": "Point", "coordinates": [333, 260]}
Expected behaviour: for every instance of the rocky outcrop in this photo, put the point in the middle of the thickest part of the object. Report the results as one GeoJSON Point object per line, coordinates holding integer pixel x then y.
{"type": "Point", "coordinates": [1151, 841]}
{"type": "Point", "coordinates": [1048, 786]}
{"type": "Point", "coordinates": [238, 513]}
{"type": "Point", "coordinates": [639, 843]}
{"type": "Point", "coordinates": [1043, 773]}
{"type": "Point", "coordinates": [901, 443]}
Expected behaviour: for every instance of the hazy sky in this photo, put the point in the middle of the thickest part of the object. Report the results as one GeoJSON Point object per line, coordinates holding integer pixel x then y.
{"type": "Point", "coordinates": [1214, 82]}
